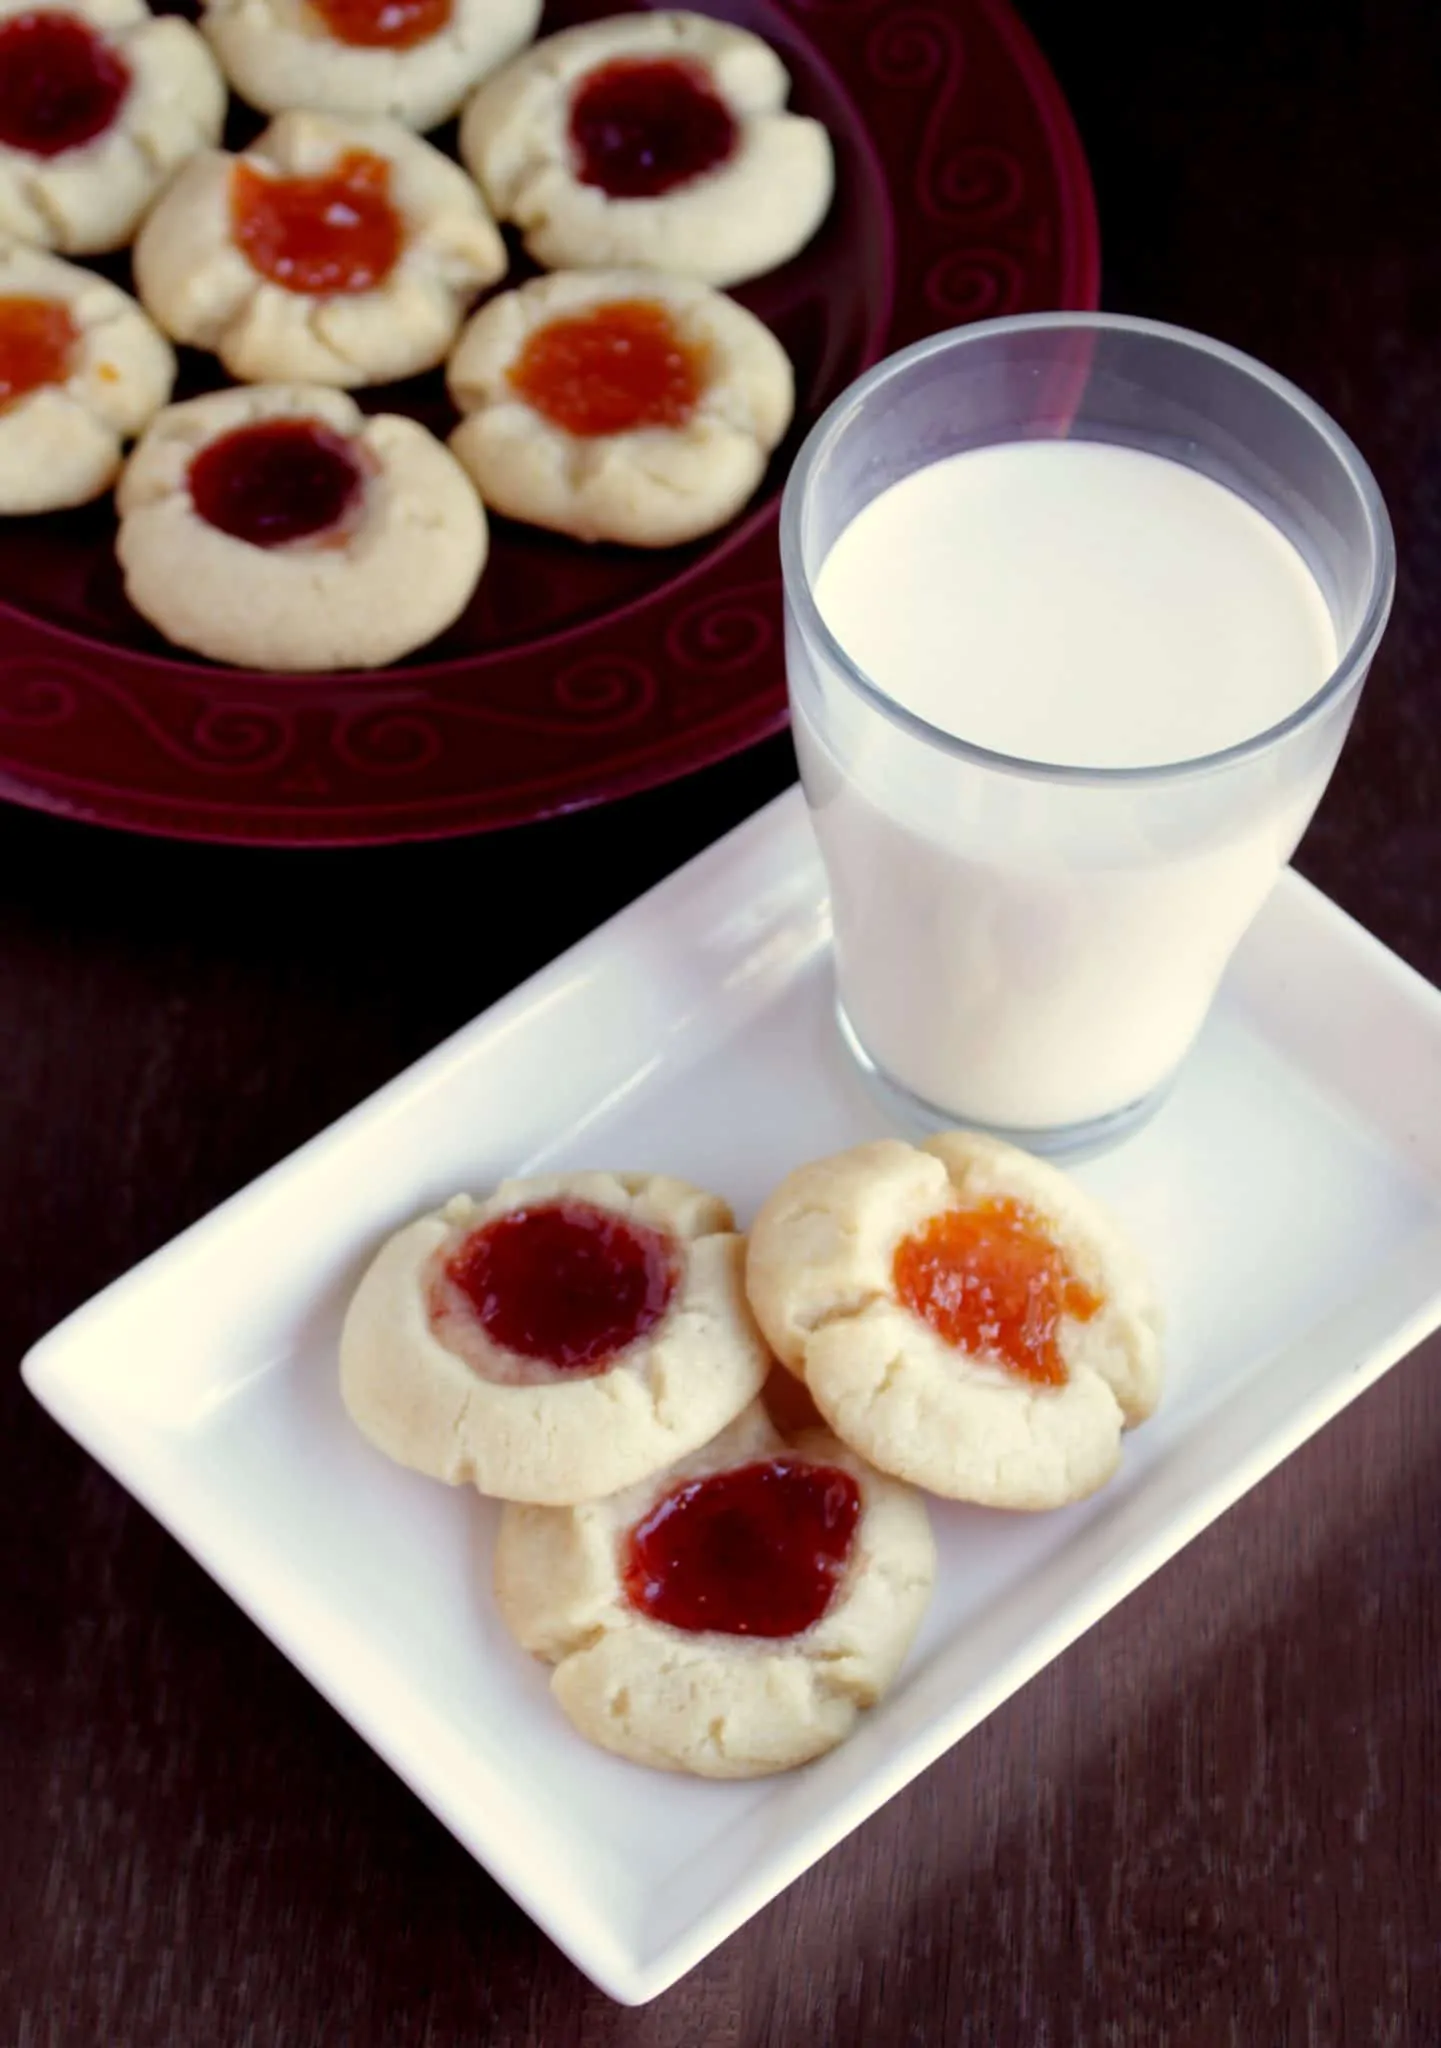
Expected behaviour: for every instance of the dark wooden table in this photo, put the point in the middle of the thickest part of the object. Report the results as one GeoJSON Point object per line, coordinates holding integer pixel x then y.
{"type": "Point", "coordinates": [1214, 1821]}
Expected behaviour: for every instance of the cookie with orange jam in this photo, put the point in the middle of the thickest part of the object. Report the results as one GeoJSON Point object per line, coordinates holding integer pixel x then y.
{"type": "Point", "coordinates": [661, 140]}
{"type": "Point", "coordinates": [962, 1314]}
{"type": "Point", "coordinates": [618, 405]}
{"type": "Point", "coordinates": [566, 1337]}
{"type": "Point", "coordinates": [414, 60]}
{"type": "Point", "coordinates": [81, 371]}
{"type": "Point", "coordinates": [279, 527]}
{"type": "Point", "coordinates": [330, 252]}
{"type": "Point", "coordinates": [99, 101]}
{"type": "Point", "coordinates": [731, 1616]}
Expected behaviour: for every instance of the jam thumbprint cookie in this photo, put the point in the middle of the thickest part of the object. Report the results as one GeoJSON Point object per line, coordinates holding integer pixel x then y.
{"type": "Point", "coordinates": [731, 1616]}
{"type": "Point", "coordinates": [81, 371]}
{"type": "Point", "coordinates": [332, 251]}
{"type": "Point", "coordinates": [962, 1314]}
{"type": "Point", "coordinates": [99, 101]}
{"type": "Point", "coordinates": [415, 60]}
{"type": "Point", "coordinates": [279, 528]}
{"type": "Point", "coordinates": [564, 1338]}
{"type": "Point", "coordinates": [618, 405]}
{"type": "Point", "coordinates": [659, 140]}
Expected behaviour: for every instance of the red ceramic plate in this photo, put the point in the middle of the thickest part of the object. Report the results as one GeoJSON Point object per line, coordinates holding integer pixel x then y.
{"type": "Point", "coordinates": [578, 674]}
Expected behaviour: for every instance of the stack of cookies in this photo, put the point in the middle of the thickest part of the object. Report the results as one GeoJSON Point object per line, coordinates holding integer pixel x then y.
{"type": "Point", "coordinates": [719, 1592]}
{"type": "Point", "coordinates": [642, 161]}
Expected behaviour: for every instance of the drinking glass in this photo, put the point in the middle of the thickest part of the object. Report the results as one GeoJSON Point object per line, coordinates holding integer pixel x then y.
{"type": "Point", "coordinates": [1024, 946]}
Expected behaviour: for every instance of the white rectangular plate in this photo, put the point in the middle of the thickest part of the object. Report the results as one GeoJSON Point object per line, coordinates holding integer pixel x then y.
{"type": "Point", "coordinates": [1288, 1196]}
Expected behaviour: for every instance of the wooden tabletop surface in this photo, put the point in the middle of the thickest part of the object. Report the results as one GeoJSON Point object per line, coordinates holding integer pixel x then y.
{"type": "Point", "coordinates": [1214, 1821]}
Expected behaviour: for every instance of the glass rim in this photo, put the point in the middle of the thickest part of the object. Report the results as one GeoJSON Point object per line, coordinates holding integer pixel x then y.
{"type": "Point", "coordinates": [1351, 662]}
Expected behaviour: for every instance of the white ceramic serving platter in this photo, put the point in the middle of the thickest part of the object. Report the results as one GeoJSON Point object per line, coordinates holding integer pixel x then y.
{"type": "Point", "coordinates": [1288, 1195]}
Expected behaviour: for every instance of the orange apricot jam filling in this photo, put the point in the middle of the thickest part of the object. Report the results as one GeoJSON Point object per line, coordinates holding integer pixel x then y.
{"type": "Point", "coordinates": [615, 368]}
{"type": "Point", "coordinates": [338, 232]}
{"type": "Point", "coordinates": [37, 345]}
{"type": "Point", "coordinates": [992, 1281]}
{"type": "Point", "coordinates": [384, 24]}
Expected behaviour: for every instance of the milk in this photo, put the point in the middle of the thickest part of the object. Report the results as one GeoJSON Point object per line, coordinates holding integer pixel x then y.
{"type": "Point", "coordinates": [1078, 603]}
{"type": "Point", "coordinates": [1031, 952]}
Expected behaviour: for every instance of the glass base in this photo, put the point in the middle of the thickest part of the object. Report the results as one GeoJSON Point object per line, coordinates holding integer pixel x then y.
{"type": "Point", "coordinates": [913, 1114]}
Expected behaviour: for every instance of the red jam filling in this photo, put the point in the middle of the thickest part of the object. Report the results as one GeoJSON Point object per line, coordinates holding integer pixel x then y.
{"type": "Point", "coordinates": [992, 1281]}
{"type": "Point", "coordinates": [566, 1282]}
{"type": "Point", "coordinates": [641, 126]}
{"type": "Point", "coordinates": [615, 368]}
{"type": "Point", "coordinates": [37, 345]}
{"type": "Point", "coordinates": [277, 481]}
{"type": "Point", "coordinates": [337, 232]}
{"type": "Point", "coordinates": [61, 84]}
{"type": "Point", "coordinates": [756, 1551]}
{"type": "Point", "coordinates": [384, 24]}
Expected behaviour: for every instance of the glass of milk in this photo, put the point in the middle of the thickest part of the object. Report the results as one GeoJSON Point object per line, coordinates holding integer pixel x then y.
{"type": "Point", "coordinates": [1078, 612]}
